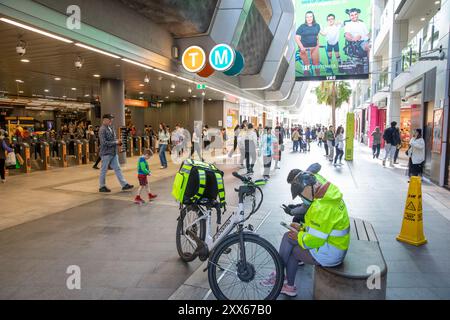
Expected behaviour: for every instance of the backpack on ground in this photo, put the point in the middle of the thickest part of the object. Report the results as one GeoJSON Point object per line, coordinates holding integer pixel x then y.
{"type": "Point", "coordinates": [198, 180]}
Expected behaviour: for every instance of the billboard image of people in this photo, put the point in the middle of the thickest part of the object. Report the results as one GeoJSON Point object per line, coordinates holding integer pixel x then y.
{"type": "Point", "coordinates": [333, 39]}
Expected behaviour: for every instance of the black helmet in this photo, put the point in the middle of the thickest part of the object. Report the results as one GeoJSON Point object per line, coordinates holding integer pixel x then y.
{"type": "Point", "coordinates": [300, 179]}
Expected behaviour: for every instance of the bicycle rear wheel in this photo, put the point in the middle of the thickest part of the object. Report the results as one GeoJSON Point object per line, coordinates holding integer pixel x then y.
{"type": "Point", "coordinates": [185, 247]}
{"type": "Point", "coordinates": [230, 278]}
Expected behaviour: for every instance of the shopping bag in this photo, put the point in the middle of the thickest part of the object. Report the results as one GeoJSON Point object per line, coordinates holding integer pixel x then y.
{"type": "Point", "coordinates": [10, 159]}
{"type": "Point", "coordinates": [19, 159]}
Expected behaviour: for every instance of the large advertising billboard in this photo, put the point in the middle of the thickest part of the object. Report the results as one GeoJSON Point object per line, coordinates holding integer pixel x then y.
{"type": "Point", "coordinates": [333, 39]}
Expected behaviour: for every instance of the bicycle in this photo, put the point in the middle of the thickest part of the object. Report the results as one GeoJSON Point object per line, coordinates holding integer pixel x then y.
{"type": "Point", "coordinates": [234, 258]}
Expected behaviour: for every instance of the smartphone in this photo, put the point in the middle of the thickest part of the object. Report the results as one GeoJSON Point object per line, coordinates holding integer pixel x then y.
{"type": "Point", "coordinates": [284, 224]}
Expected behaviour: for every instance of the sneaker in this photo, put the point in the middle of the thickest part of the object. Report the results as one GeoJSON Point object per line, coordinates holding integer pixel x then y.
{"type": "Point", "coordinates": [95, 167]}
{"type": "Point", "coordinates": [270, 280]}
{"type": "Point", "coordinates": [138, 200]}
{"type": "Point", "coordinates": [301, 263]}
{"type": "Point", "coordinates": [127, 187]}
{"type": "Point", "coordinates": [152, 196]}
{"type": "Point", "coordinates": [288, 290]}
{"type": "Point", "coordinates": [162, 167]}
{"type": "Point", "coordinates": [104, 189]}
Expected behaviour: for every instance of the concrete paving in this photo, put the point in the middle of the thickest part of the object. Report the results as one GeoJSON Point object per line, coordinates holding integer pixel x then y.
{"type": "Point", "coordinates": [51, 220]}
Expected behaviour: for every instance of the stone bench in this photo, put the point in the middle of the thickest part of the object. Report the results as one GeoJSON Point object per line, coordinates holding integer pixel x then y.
{"type": "Point", "coordinates": [348, 281]}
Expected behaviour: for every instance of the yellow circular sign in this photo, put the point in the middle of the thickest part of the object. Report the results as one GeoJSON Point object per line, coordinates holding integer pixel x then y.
{"type": "Point", "coordinates": [193, 59]}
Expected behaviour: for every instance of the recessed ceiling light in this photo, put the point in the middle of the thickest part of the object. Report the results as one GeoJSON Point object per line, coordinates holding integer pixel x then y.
{"type": "Point", "coordinates": [171, 91]}
{"type": "Point", "coordinates": [46, 90]}
{"type": "Point", "coordinates": [141, 92]}
{"type": "Point", "coordinates": [74, 89]}
{"type": "Point", "coordinates": [57, 79]}
{"type": "Point", "coordinates": [412, 31]}
{"type": "Point", "coordinates": [203, 93]}
{"type": "Point", "coordinates": [422, 19]}
{"type": "Point", "coordinates": [141, 85]}
{"type": "Point", "coordinates": [194, 96]}
{"type": "Point", "coordinates": [189, 90]}
{"type": "Point", "coordinates": [19, 81]}
{"type": "Point", "coordinates": [25, 60]}
{"type": "Point", "coordinates": [209, 99]}
{"type": "Point", "coordinates": [167, 97]}
{"type": "Point", "coordinates": [172, 85]}
{"type": "Point", "coordinates": [96, 75]}
{"type": "Point", "coordinates": [117, 65]}
{"type": "Point", "coordinates": [437, 2]}
{"type": "Point", "coordinates": [64, 96]}
{"type": "Point", "coordinates": [20, 91]}
{"type": "Point", "coordinates": [184, 100]}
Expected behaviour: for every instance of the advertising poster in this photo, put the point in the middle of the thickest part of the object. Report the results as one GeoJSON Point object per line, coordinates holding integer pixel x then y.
{"type": "Point", "coordinates": [333, 39]}
{"type": "Point", "coordinates": [437, 130]}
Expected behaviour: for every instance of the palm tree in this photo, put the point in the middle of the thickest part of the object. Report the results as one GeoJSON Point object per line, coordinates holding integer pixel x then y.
{"type": "Point", "coordinates": [334, 94]}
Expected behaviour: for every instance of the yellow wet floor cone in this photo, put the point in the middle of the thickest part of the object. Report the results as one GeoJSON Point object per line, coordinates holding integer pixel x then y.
{"type": "Point", "coordinates": [412, 226]}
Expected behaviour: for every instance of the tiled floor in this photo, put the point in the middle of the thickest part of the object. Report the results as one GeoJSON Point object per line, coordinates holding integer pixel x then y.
{"type": "Point", "coordinates": [55, 219]}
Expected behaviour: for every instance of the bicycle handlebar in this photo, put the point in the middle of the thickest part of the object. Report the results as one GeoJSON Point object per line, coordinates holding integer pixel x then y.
{"type": "Point", "coordinates": [242, 178]}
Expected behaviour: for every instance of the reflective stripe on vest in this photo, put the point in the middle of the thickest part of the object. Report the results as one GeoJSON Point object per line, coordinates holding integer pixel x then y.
{"type": "Point", "coordinates": [201, 186]}
{"type": "Point", "coordinates": [220, 187]}
{"type": "Point", "coordinates": [324, 236]}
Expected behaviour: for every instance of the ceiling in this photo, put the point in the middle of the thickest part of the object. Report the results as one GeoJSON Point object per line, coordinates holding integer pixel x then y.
{"type": "Point", "coordinates": [50, 58]}
{"type": "Point", "coordinates": [180, 17]}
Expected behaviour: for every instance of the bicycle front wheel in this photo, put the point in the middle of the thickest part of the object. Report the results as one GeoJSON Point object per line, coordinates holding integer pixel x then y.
{"type": "Point", "coordinates": [259, 277]}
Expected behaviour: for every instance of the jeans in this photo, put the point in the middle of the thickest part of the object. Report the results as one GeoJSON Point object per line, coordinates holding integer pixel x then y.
{"type": "Point", "coordinates": [339, 154]}
{"type": "Point", "coordinates": [389, 151]}
{"type": "Point", "coordinates": [376, 150]}
{"type": "Point", "coordinates": [291, 253]}
{"type": "Point", "coordinates": [325, 144]}
{"type": "Point", "coordinates": [295, 145]}
{"type": "Point", "coordinates": [162, 154]}
{"type": "Point", "coordinates": [113, 161]}
{"type": "Point", "coordinates": [330, 148]}
{"type": "Point", "coordinates": [267, 164]}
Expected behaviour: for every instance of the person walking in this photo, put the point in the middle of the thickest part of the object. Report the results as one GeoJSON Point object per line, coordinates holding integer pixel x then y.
{"type": "Point", "coordinates": [329, 136]}
{"type": "Point", "coordinates": [391, 137]}
{"type": "Point", "coordinates": [339, 141]}
{"type": "Point", "coordinates": [279, 146]}
{"type": "Point", "coordinates": [295, 140]}
{"type": "Point", "coordinates": [267, 150]}
{"type": "Point", "coordinates": [416, 154]}
{"type": "Point", "coordinates": [4, 150]}
{"type": "Point", "coordinates": [109, 155]}
{"type": "Point", "coordinates": [163, 141]}
{"type": "Point", "coordinates": [376, 142]}
{"type": "Point", "coordinates": [143, 172]}
{"type": "Point", "coordinates": [248, 142]}
{"type": "Point", "coordinates": [196, 142]}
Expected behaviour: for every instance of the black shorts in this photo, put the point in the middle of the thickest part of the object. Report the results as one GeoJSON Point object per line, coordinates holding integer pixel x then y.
{"type": "Point", "coordinates": [331, 48]}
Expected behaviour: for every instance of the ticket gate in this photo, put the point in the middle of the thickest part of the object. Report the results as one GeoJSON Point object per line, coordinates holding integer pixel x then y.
{"type": "Point", "coordinates": [76, 158]}
{"type": "Point", "coordinates": [85, 151]}
{"type": "Point", "coordinates": [137, 143]}
{"type": "Point", "coordinates": [24, 151]}
{"type": "Point", "coordinates": [130, 147]}
{"type": "Point", "coordinates": [41, 156]}
{"type": "Point", "coordinates": [93, 150]}
{"type": "Point", "coordinates": [61, 157]}
{"type": "Point", "coordinates": [145, 142]}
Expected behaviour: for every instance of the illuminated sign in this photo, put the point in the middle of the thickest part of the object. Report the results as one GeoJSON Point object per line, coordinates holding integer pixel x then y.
{"type": "Point", "coordinates": [136, 103]}
{"type": "Point", "coordinates": [193, 59]}
{"type": "Point", "coordinates": [222, 57]}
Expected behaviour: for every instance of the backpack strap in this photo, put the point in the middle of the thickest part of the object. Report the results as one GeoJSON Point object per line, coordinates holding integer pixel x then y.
{"type": "Point", "coordinates": [221, 188]}
{"type": "Point", "coordinates": [201, 186]}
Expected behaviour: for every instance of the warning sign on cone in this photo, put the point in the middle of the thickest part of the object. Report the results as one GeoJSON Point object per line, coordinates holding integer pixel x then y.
{"type": "Point", "coordinates": [412, 226]}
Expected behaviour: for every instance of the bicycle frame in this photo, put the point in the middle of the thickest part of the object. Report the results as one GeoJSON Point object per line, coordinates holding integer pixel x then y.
{"type": "Point", "coordinates": [236, 219]}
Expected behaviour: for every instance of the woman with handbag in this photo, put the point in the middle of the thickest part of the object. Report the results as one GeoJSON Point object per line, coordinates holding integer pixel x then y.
{"type": "Point", "coordinates": [5, 151]}
{"type": "Point", "coordinates": [416, 154]}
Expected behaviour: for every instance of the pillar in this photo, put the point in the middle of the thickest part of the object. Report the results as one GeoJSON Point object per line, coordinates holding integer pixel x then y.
{"type": "Point", "coordinates": [112, 96]}
{"type": "Point", "coordinates": [196, 106]}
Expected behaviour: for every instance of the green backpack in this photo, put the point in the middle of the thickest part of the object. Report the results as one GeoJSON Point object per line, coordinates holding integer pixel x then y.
{"type": "Point", "coordinates": [198, 180]}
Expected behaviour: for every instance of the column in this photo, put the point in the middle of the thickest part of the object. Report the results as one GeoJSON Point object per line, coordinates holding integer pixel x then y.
{"type": "Point", "coordinates": [196, 106]}
{"type": "Point", "coordinates": [112, 101]}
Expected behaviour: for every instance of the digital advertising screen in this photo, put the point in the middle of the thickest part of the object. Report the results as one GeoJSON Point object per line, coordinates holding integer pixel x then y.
{"type": "Point", "coordinates": [333, 39]}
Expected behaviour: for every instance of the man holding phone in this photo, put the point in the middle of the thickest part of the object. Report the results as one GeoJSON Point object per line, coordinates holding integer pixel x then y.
{"type": "Point", "coordinates": [108, 153]}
